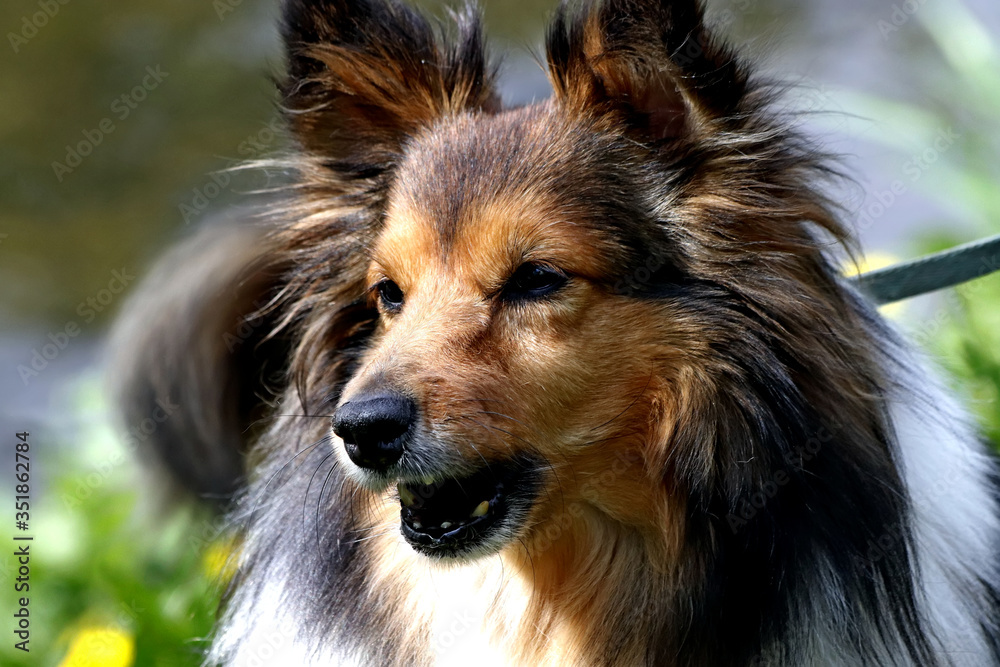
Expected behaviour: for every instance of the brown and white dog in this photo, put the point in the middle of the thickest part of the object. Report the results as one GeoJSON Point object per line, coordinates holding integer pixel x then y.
{"type": "Point", "coordinates": [574, 383]}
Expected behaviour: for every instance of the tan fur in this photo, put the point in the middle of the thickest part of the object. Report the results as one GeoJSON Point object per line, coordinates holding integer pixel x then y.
{"type": "Point", "coordinates": [572, 378]}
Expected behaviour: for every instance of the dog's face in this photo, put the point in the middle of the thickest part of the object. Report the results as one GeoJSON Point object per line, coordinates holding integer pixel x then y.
{"type": "Point", "coordinates": [534, 313]}
{"type": "Point", "coordinates": [506, 374]}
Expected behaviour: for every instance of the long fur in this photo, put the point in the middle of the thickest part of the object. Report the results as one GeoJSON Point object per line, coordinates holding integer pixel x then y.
{"type": "Point", "coordinates": [737, 461]}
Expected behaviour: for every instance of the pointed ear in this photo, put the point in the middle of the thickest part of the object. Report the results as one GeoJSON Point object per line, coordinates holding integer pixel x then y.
{"type": "Point", "coordinates": [650, 61]}
{"type": "Point", "coordinates": [364, 75]}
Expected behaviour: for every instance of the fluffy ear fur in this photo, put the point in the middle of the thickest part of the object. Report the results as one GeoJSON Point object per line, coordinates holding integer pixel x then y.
{"type": "Point", "coordinates": [740, 183]}
{"type": "Point", "coordinates": [190, 370]}
{"type": "Point", "coordinates": [364, 75]}
{"type": "Point", "coordinates": [652, 61]}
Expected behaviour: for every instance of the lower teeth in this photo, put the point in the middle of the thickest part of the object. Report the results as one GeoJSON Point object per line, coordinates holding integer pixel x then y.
{"type": "Point", "coordinates": [447, 525]}
{"type": "Point", "coordinates": [410, 508]}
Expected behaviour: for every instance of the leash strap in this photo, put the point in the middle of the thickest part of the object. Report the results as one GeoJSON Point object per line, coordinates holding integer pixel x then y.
{"type": "Point", "coordinates": [934, 272]}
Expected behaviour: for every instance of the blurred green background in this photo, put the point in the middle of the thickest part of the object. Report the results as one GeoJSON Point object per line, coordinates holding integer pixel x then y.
{"type": "Point", "coordinates": [116, 119]}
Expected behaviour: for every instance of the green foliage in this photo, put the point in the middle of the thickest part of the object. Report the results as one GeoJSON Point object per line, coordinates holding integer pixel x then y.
{"type": "Point", "coordinates": [970, 341]}
{"type": "Point", "coordinates": [962, 326]}
{"type": "Point", "coordinates": [969, 345]}
{"type": "Point", "coordinates": [103, 557]}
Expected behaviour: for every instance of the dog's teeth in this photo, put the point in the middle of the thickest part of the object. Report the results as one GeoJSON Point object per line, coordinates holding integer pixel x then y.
{"type": "Point", "coordinates": [446, 524]}
{"type": "Point", "coordinates": [481, 509]}
{"type": "Point", "coordinates": [405, 496]}
{"type": "Point", "coordinates": [418, 525]}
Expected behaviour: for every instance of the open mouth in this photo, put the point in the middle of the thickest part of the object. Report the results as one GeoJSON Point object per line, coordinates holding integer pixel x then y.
{"type": "Point", "coordinates": [474, 514]}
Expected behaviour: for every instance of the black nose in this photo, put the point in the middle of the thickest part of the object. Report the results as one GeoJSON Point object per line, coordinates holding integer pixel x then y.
{"type": "Point", "coordinates": [374, 428]}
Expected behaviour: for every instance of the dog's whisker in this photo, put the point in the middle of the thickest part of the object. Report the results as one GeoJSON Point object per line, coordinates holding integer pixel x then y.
{"type": "Point", "coordinates": [380, 525]}
{"type": "Point", "coordinates": [359, 540]}
{"type": "Point", "coordinates": [319, 500]}
{"type": "Point", "coordinates": [502, 415]}
{"type": "Point", "coordinates": [489, 428]}
{"type": "Point", "coordinates": [474, 448]}
{"type": "Point", "coordinates": [350, 499]}
{"type": "Point", "coordinates": [270, 479]}
{"type": "Point", "coordinates": [304, 416]}
{"type": "Point", "coordinates": [530, 558]}
{"type": "Point", "coordinates": [546, 462]}
{"type": "Point", "coordinates": [551, 467]}
{"type": "Point", "coordinates": [616, 436]}
{"type": "Point", "coordinates": [312, 477]}
{"type": "Point", "coordinates": [478, 400]}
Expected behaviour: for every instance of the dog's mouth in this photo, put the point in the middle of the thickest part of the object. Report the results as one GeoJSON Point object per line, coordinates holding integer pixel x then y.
{"type": "Point", "coordinates": [467, 516]}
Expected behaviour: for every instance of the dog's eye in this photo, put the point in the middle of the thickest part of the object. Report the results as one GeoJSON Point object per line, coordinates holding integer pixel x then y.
{"type": "Point", "coordinates": [532, 281]}
{"type": "Point", "coordinates": [390, 295]}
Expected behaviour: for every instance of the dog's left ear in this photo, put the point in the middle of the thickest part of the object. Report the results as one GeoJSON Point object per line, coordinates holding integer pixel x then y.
{"type": "Point", "coordinates": [651, 62]}
{"type": "Point", "coordinates": [364, 75]}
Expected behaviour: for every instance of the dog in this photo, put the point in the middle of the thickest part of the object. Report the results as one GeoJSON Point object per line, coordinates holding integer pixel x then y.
{"type": "Point", "coordinates": [572, 383]}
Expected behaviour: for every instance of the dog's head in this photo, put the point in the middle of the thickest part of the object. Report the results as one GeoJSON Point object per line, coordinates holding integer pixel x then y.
{"type": "Point", "coordinates": [535, 321]}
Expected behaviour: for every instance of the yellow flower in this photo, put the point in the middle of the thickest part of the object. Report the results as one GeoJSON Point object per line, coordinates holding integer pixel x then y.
{"type": "Point", "coordinates": [873, 262]}
{"type": "Point", "coordinates": [100, 647]}
{"type": "Point", "coordinates": [220, 559]}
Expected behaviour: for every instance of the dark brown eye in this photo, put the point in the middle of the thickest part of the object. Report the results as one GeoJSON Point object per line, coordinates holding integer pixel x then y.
{"type": "Point", "coordinates": [533, 281]}
{"type": "Point", "coordinates": [390, 295]}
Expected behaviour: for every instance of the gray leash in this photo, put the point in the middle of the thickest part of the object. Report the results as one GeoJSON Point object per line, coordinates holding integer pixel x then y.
{"type": "Point", "coordinates": [934, 272]}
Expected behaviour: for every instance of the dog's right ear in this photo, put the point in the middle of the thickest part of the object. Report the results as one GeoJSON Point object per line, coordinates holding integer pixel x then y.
{"type": "Point", "coordinates": [364, 75]}
{"type": "Point", "coordinates": [652, 64]}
